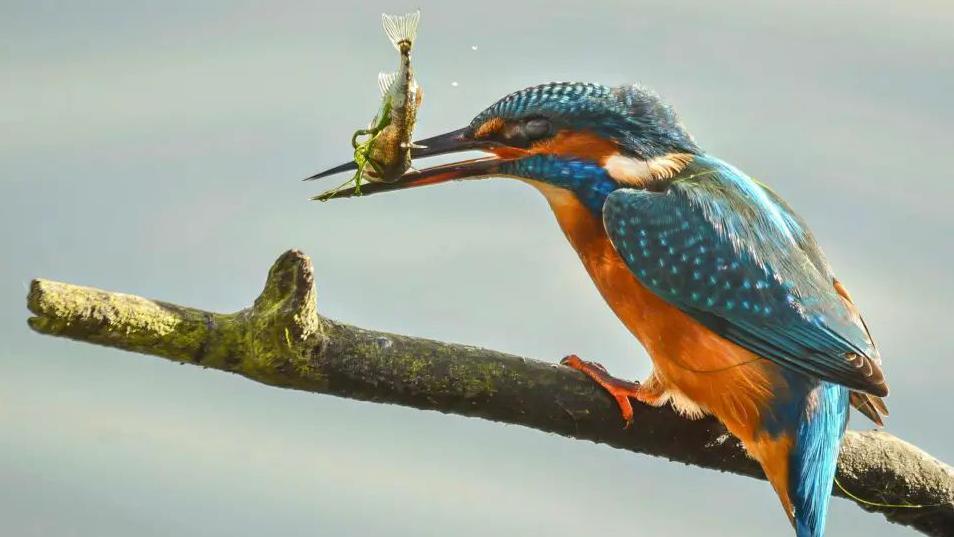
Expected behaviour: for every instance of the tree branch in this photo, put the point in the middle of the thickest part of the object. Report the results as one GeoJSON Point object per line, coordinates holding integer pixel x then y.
{"type": "Point", "coordinates": [282, 341]}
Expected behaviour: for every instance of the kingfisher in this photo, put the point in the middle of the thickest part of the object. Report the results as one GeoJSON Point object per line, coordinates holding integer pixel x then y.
{"type": "Point", "coordinates": [712, 271]}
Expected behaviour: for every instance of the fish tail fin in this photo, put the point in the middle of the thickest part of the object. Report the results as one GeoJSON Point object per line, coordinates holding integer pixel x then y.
{"type": "Point", "coordinates": [814, 456]}
{"type": "Point", "coordinates": [401, 29]}
{"type": "Point", "coordinates": [386, 81]}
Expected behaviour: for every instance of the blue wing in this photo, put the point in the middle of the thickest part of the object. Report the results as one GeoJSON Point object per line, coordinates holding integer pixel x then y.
{"type": "Point", "coordinates": [730, 254]}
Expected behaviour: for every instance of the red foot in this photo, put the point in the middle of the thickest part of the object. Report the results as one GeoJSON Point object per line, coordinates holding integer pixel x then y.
{"type": "Point", "coordinates": [619, 389]}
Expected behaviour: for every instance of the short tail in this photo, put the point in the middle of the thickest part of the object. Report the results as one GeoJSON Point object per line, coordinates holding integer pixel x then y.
{"type": "Point", "coordinates": [814, 456]}
{"type": "Point", "coordinates": [401, 29]}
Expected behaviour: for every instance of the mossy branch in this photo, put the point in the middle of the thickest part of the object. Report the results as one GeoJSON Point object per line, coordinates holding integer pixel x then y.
{"type": "Point", "coordinates": [281, 340]}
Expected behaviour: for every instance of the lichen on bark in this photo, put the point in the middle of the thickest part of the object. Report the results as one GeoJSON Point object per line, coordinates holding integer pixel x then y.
{"type": "Point", "coordinates": [281, 340]}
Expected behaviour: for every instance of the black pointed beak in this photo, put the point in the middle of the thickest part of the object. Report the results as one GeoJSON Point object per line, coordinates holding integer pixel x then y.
{"type": "Point", "coordinates": [451, 142]}
{"type": "Point", "coordinates": [346, 167]}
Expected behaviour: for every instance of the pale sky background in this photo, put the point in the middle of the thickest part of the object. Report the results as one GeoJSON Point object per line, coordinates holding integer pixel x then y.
{"type": "Point", "coordinates": [156, 148]}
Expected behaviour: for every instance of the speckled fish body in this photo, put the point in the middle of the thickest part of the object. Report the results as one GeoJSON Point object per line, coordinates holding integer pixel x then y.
{"type": "Point", "coordinates": [390, 151]}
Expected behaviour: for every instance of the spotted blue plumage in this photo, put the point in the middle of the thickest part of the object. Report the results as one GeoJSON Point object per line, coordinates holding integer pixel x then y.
{"type": "Point", "coordinates": [716, 246]}
{"type": "Point", "coordinates": [728, 252]}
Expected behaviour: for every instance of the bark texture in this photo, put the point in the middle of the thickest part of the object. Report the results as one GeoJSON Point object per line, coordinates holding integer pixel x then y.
{"type": "Point", "coordinates": [282, 341]}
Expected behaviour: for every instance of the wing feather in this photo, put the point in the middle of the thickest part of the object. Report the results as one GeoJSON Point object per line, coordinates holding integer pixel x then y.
{"type": "Point", "coordinates": [719, 247]}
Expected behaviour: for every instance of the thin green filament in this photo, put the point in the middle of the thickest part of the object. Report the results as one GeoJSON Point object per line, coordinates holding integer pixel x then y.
{"type": "Point", "coordinates": [362, 151]}
{"type": "Point", "coordinates": [886, 505]}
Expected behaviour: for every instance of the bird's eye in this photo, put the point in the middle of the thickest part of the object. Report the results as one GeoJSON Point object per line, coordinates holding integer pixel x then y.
{"type": "Point", "coordinates": [525, 132]}
{"type": "Point", "coordinates": [537, 128]}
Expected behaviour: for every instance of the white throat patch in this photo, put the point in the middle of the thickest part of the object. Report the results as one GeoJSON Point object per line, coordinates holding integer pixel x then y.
{"type": "Point", "coordinates": [632, 171]}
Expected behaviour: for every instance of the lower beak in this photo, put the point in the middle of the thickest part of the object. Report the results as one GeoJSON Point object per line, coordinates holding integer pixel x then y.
{"type": "Point", "coordinates": [451, 142]}
{"type": "Point", "coordinates": [466, 169]}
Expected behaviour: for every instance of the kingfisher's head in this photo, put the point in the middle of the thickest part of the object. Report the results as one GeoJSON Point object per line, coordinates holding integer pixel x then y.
{"type": "Point", "coordinates": [587, 139]}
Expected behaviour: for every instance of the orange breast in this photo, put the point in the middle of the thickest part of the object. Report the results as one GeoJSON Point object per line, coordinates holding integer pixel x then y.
{"type": "Point", "coordinates": [689, 360]}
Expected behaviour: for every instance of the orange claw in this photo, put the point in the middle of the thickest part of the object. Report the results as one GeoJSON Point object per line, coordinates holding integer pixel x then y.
{"type": "Point", "coordinates": [620, 390]}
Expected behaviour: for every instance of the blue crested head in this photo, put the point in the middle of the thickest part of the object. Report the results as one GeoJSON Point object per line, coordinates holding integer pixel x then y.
{"type": "Point", "coordinates": [634, 118]}
{"type": "Point", "coordinates": [587, 138]}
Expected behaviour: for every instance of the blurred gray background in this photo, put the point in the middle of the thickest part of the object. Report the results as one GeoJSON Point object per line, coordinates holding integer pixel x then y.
{"type": "Point", "coordinates": [156, 148]}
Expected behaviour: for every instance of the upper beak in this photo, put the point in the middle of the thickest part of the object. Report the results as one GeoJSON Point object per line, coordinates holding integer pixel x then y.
{"type": "Point", "coordinates": [451, 142]}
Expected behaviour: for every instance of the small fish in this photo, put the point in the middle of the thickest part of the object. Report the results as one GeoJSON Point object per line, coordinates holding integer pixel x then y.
{"type": "Point", "coordinates": [390, 151]}
{"type": "Point", "coordinates": [386, 144]}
